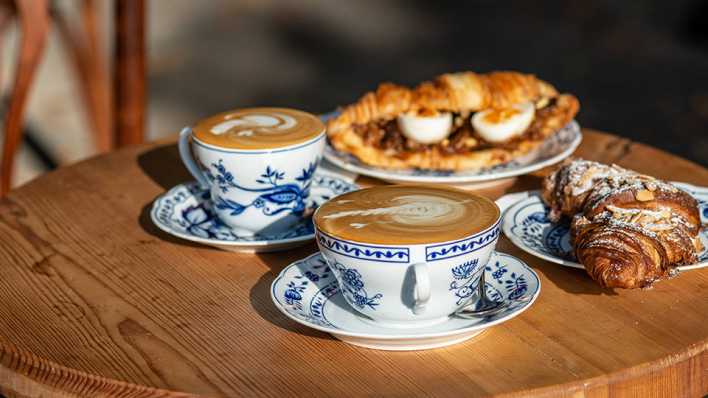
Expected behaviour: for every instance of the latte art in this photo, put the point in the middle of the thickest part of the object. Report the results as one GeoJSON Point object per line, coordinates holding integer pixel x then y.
{"type": "Point", "coordinates": [408, 210]}
{"type": "Point", "coordinates": [248, 125]}
{"type": "Point", "coordinates": [406, 214]}
{"type": "Point", "coordinates": [258, 128]}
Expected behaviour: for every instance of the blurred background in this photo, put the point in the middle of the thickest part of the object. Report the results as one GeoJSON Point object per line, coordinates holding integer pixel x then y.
{"type": "Point", "coordinates": [640, 68]}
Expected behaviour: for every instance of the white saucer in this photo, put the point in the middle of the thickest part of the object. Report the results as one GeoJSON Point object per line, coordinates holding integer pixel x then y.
{"type": "Point", "coordinates": [307, 292]}
{"type": "Point", "coordinates": [185, 212]}
{"type": "Point", "coordinates": [527, 225]}
{"type": "Point", "coordinates": [556, 148]}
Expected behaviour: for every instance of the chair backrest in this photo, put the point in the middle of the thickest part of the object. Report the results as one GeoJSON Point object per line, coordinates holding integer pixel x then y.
{"type": "Point", "coordinates": [128, 108]}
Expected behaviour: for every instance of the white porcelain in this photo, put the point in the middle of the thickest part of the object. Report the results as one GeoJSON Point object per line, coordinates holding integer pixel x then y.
{"type": "Point", "coordinates": [186, 212]}
{"type": "Point", "coordinates": [260, 191]}
{"type": "Point", "coordinates": [526, 224]}
{"type": "Point", "coordinates": [307, 292]}
{"type": "Point", "coordinates": [408, 285]}
{"type": "Point", "coordinates": [556, 148]}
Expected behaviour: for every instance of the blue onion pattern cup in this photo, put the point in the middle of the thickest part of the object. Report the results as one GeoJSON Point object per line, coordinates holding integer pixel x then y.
{"type": "Point", "coordinates": [410, 285]}
{"type": "Point", "coordinates": [259, 191]}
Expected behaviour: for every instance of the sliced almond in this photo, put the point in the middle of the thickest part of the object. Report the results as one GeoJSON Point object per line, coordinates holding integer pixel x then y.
{"type": "Point", "coordinates": [644, 195]}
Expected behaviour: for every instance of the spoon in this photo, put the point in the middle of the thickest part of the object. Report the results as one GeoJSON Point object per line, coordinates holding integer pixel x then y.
{"type": "Point", "coordinates": [484, 306]}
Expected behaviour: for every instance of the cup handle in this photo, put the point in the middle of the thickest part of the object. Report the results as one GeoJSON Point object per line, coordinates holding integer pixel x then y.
{"type": "Point", "coordinates": [185, 152]}
{"type": "Point", "coordinates": [421, 292]}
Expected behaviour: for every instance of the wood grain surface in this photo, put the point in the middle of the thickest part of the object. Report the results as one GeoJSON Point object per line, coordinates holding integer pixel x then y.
{"type": "Point", "coordinates": [96, 301]}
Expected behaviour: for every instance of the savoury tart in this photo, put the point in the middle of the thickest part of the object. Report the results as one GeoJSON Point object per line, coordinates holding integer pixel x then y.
{"type": "Point", "coordinates": [458, 121]}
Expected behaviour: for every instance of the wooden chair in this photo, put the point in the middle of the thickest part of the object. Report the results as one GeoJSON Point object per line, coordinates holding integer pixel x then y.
{"type": "Point", "coordinates": [116, 118]}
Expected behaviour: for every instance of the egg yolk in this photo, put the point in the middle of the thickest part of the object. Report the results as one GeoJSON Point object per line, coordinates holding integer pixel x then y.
{"type": "Point", "coordinates": [495, 116]}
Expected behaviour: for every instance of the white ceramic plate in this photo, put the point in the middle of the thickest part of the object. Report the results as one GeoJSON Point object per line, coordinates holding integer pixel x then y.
{"type": "Point", "coordinates": [185, 212]}
{"type": "Point", "coordinates": [552, 151]}
{"type": "Point", "coordinates": [526, 224]}
{"type": "Point", "coordinates": [307, 292]}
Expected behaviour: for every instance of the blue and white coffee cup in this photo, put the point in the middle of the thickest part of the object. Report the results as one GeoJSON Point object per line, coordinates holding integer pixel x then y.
{"type": "Point", "coordinates": [254, 190]}
{"type": "Point", "coordinates": [408, 285]}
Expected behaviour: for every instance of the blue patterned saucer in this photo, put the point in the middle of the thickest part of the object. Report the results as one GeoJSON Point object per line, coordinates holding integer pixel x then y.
{"type": "Point", "coordinates": [527, 225]}
{"type": "Point", "coordinates": [185, 212]}
{"type": "Point", "coordinates": [556, 148]}
{"type": "Point", "coordinates": [307, 292]}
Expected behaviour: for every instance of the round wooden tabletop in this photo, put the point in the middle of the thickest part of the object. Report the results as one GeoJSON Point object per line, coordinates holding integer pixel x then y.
{"type": "Point", "coordinates": [97, 301]}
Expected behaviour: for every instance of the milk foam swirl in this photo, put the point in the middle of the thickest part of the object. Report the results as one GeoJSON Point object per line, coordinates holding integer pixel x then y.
{"type": "Point", "coordinates": [258, 128]}
{"type": "Point", "coordinates": [402, 214]}
{"type": "Point", "coordinates": [255, 123]}
{"type": "Point", "coordinates": [409, 210]}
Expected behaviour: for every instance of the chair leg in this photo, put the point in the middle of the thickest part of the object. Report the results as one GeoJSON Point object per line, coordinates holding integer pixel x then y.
{"type": "Point", "coordinates": [129, 72]}
{"type": "Point", "coordinates": [89, 59]}
{"type": "Point", "coordinates": [34, 24]}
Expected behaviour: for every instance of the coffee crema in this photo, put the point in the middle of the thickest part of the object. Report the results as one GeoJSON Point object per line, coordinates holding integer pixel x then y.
{"type": "Point", "coordinates": [406, 214]}
{"type": "Point", "coordinates": [258, 128]}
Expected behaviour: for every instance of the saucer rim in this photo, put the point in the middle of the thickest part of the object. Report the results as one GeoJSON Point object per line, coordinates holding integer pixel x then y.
{"type": "Point", "coordinates": [534, 195]}
{"type": "Point", "coordinates": [253, 243]}
{"type": "Point", "coordinates": [479, 326]}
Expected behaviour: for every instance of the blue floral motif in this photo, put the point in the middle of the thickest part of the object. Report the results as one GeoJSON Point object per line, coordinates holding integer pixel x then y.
{"type": "Point", "coordinates": [465, 246]}
{"type": "Point", "coordinates": [537, 232]}
{"type": "Point", "coordinates": [365, 252]}
{"type": "Point", "coordinates": [301, 287]}
{"type": "Point", "coordinates": [352, 278]}
{"type": "Point", "coordinates": [354, 289]}
{"type": "Point", "coordinates": [464, 280]}
{"type": "Point", "coordinates": [464, 270]}
{"type": "Point", "coordinates": [274, 197]}
{"type": "Point", "coordinates": [515, 284]}
{"type": "Point", "coordinates": [187, 210]}
{"type": "Point", "coordinates": [199, 220]}
{"type": "Point", "coordinates": [293, 293]}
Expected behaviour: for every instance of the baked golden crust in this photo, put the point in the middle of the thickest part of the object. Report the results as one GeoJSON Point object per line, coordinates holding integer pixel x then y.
{"type": "Point", "coordinates": [628, 229]}
{"type": "Point", "coordinates": [460, 93]}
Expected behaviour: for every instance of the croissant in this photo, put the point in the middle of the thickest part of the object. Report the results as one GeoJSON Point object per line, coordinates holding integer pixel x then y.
{"type": "Point", "coordinates": [628, 229]}
{"type": "Point", "coordinates": [464, 91]}
{"type": "Point", "coordinates": [367, 128]}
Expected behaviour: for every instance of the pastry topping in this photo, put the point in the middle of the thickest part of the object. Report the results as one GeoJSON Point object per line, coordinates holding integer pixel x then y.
{"type": "Point", "coordinates": [644, 195]}
{"type": "Point", "coordinates": [425, 127]}
{"type": "Point", "coordinates": [429, 126]}
{"type": "Point", "coordinates": [462, 139]}
{"type": "Point", "coordinates": [500, 125]}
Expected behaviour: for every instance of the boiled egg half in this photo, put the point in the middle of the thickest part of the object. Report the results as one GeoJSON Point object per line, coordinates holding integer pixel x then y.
{"type": "Point", "coordinates": [500, 125]}
{"type": "Point", "coordinates": [426, 128]}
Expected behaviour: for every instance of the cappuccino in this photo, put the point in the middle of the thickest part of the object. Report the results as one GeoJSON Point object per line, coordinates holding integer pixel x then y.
{"type": "Point", "coordinates": [258, 128]}
{"type": "Point", "coordinates": [406, 214]}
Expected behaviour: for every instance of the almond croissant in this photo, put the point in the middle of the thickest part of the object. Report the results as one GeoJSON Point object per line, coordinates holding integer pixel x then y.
{"type": "Point", "coordinates": [628, 229]}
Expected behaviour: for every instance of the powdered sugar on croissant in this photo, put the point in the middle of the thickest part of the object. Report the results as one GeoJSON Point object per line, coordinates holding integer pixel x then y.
{"type": "Point", "coordinates": [628, 229]}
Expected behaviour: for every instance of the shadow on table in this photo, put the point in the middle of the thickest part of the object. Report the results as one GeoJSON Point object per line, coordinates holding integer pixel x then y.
{"type": "Point", "coordinates": [164, 166]}
{"type": "Point", "coordinates": [260, 292]}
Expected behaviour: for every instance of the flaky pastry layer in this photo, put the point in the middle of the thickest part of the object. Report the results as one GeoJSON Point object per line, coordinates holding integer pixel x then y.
{"type": "Point", "coordinates": [459, 93]}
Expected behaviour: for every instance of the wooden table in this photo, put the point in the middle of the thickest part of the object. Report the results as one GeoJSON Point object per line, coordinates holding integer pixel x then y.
{"type": "Point", "coordinates": [97, 301]}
